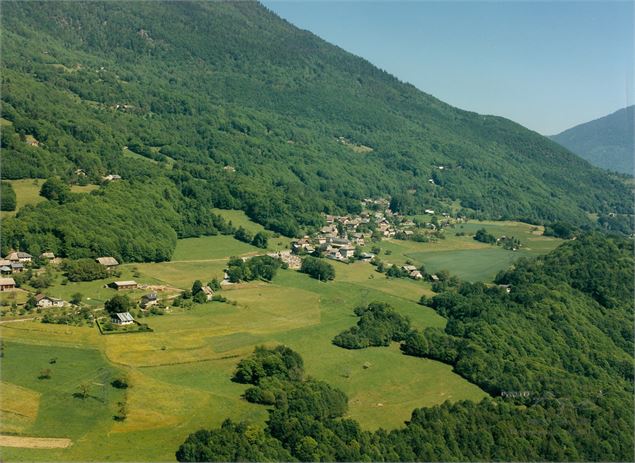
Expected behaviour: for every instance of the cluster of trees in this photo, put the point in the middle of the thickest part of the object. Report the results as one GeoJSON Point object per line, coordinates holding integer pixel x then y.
{"type": "Point", "coordinates": [83, 270]}
{"type": "Point", "coordinates": [277, 378]}
{"type": "Point", "coordinates": [198, 295]}
{"type": "Point", "coordinates": [378, 325]}
{"type": "Point", "coordinates": [317, 268]}
{"type": "Point", "coordinates": [563, 230]}
{"type": "Point", "coordinates": [7, 197]}
{"type": "Point", "coordinates": [483, 236]}
{"type": "Point", "coordinates": [254, 268]}
{"type": "Point", "coordinates": [260, 239]}
{"type": "Point", "coordinates": [55, 189]}
{"type": "Point", "coordinates": [509, 242]}
{"type": "Point", "coordinates": [118, 304]}
{"type": "Point", "coordinates": [280, 362]}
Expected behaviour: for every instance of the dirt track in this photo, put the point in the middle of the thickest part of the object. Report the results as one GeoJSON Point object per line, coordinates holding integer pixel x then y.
{"type": "Point", "coordinates": [34, 442]}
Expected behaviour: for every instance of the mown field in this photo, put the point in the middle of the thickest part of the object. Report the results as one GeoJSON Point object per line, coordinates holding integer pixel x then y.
{"type": "Point", "coordinates": [469, 259]}
{"type": "Point", "coordinates": [180, 374]}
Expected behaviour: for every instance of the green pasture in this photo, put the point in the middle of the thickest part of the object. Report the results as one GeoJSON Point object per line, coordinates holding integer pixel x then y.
{"type": "Point", "coordinates": [180, 374]}
{"type": "Point", "coordinates": [212, 247]}
{"type": "Point", "coordinates": [466, 258]}
{"type": "Point", "coordinates": [240, 219]}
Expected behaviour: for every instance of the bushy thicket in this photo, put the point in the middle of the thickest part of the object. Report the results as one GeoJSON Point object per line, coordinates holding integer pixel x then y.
{"type": "Point", "coordinates": [7, 197]}
{"type": "Point", "coordinates": [317, 268]}
{"type": "Point", "coordinates": [84, 270]}
{"type": "Point", "coordinates": [254, 268]}
{"type": "Point", "coordinates": [378, 325]}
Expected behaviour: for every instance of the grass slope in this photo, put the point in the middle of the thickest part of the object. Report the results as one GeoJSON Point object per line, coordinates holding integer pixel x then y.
{"type": "Point", "coordinates": [180, 374]}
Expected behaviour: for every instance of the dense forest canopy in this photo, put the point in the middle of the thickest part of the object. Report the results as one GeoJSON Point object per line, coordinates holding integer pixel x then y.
{"type": "Point", "coordinates": [555, 353]}
{"type": "Point", "coordinates": [236, 108]}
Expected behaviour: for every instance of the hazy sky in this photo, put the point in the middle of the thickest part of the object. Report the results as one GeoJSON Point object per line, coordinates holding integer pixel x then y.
{"type": "Point", "coordinates": [548, 65]}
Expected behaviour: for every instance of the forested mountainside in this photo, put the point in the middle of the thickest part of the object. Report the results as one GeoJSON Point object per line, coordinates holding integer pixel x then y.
{"type": "Point", "coordinates": [213, 104]}
{"type": "Point", "coordinates": [607, 142]}
{"type": "Point", "coordinates": [555, 353]}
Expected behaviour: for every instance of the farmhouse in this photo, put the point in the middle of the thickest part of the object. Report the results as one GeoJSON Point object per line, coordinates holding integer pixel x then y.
{"type": "Point", "coordinates": [5, 269]}
{"type": "Point", "coordinates": [416, 275]}
{"type": "Point", "coordinates": [17, 267]}
{"type": "Point", "coordinates": [149, 300]}
{"type": "Point", "coordinates": [111, 177]}
{"type": "Point", "coordinates": [19, 256]}
{"type": "Point", "coordinates": [409, 268]}
{"type": "Point", "coordinates": [347, 251]}
{"type": "Point", "coordinates": [121, 285]}
{"type": "Point", "coordinates": [46, 301]}
{"type": "Point", "coordinates": [209, 292]}
{"type": "Point", "coordinates": [108, 262]}
{"type": "Point", "coordinates": [434, 278]}
{"type": "Point", "coordinates": [123, 318]}
{"type": "Point", "coordinates": [7, 284]}
{"type": "Point", "coordinates": [47, 255]}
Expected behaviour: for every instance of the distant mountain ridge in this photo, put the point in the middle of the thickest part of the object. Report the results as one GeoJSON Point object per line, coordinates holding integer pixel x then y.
{"type": "Point", "coordinates": [607, 142]}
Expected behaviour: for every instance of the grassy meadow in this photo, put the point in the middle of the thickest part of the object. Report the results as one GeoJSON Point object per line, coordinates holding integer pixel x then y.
{"type": "Point", "coordinates": [469, 259]}
{"type": "Point", "coordinates": [180, 374]}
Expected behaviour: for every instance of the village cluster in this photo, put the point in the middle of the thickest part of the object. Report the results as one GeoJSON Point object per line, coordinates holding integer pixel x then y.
{"type": "Point", "coordinates": [346, 239]}
{"type": "Point", "coordinates": [343, 237]}
{"type": "Point", "coordinates": [17, 262]}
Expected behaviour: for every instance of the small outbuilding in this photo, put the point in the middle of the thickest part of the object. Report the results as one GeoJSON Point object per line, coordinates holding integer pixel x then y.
{"type": "Point", "coordinates": [7, 284]}
{"type": "Point", "coordinates": [148, 300]}
{"type": "Point", "coordinates": [108, 262]}
{"type": "Point", "coordinates": [209, 292]}
{"type": "Point", "coordinates": [122, 285]}
{"type": "Point", "coordinates": [123, 318]}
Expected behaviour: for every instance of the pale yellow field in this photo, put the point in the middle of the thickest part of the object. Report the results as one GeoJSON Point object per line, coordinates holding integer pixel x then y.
{"type": "Point", "coordinates": [18, 407]}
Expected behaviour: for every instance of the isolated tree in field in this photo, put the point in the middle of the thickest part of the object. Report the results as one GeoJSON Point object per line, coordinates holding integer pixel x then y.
{"type": "Point", "coordinates": [484, 237]}
{"type": "Point", "coordinates": [200, 297]}
{"type": "Point", "coordinates": [31, 302]}
{"type": "Point", "coordinates": [197, 287]}
{"type": "Point", "coordinates": [84, 390]}
{"type": "Point", "coordinates": [55, 189]}
{"type": "Point", "coordinates": [118, 304]}
{"type": "Point", "coordinates": [260, 240]}
{"type": "Point", "coordinates": [76, 298]}
{"type": "Point", "coordinates": [214, 284]}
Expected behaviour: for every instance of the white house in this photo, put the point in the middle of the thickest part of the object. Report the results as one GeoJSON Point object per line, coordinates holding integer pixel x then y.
{"type": "Point", "coordinates": [47, 301]}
